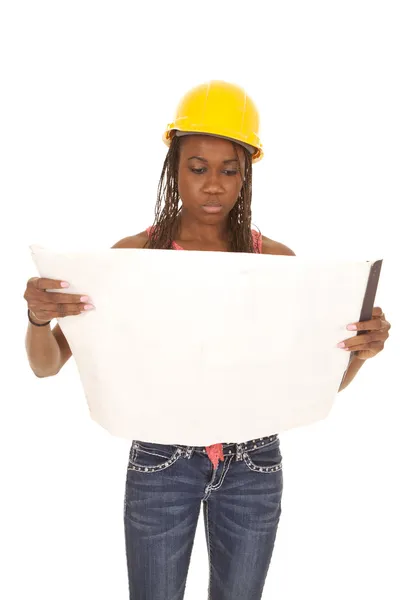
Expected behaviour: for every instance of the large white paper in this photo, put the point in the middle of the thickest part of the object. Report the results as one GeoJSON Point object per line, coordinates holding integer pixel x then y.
{"type": "Point", "coordinates": [197, 348]}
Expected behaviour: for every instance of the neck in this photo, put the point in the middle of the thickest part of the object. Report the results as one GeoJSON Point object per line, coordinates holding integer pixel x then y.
{"type": "Point", "coordinates": [190, 228]}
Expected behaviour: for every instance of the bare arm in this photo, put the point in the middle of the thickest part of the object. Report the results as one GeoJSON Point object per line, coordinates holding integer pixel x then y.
{"type": "Point", "coordinates": [43, 350]}
{"type": "Point", "coordinates": [353, 368]}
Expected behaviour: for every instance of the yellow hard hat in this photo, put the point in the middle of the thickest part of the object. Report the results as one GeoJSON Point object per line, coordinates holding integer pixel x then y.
{"type": "Point", "coordinates": [218, 108]}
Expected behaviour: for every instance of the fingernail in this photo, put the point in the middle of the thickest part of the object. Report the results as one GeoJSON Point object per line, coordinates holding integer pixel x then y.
{"type": "Point", "coordinates": [84, 298]}
{"type": "Point", "coordinates": [341, 345]}
{"type": "Point", "coordinates": [88, 307]}
{"type": "Point", "coordinates": [351, 327]}
{"type": "Point", "coordinates": [64, 284]}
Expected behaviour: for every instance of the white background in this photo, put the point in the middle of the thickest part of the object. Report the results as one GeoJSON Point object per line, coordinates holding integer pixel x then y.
{"type": "Point", "coordinates": [87, 90]}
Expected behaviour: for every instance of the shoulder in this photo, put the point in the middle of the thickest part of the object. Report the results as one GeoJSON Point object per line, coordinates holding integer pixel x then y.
{"type": "Point", "coordinates": [133, 241]}
{"type": "Point", "coordinates": [272, 247]}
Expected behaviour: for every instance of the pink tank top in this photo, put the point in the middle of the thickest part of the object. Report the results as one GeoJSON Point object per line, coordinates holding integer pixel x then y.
{"type": "Point", "coordinates": [215, 452]}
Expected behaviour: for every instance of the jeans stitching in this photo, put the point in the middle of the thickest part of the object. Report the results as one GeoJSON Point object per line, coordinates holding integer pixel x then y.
{"type": "Point", "coordinates": [254, 467]}
{"type": "Point", "coordinates": [209, 486]}
{"type": "Point", "coordinates": [247, 448]}
{"type": "Point", "coordinates": [224, 472]}
{"type": "Point", "coordinates": [177, 454]}
{"type": "Point", "coordinates": [155, 453]}
{"type": "Point", "coordinates": [133, 452]}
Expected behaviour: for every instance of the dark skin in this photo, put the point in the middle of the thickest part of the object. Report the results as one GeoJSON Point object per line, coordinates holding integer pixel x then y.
{"type": "Point", "coordinates": [214, 175]}
{"type": "Point", "coordinates": [210, 177]}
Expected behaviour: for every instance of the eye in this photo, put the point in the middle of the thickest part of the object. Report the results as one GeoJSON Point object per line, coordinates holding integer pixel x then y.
{"type": "Point", "coordinates": [200, 171]}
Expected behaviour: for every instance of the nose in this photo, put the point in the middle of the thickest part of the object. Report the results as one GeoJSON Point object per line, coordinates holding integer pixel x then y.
{"type": "Point", "coordinates": [213, 182]}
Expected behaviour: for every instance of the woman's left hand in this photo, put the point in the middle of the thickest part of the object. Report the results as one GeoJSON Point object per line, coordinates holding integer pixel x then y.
{"type": "Point", "coordinates": [373, 336]}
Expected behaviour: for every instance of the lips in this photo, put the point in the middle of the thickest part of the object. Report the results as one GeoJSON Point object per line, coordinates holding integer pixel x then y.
{"type": "Point", "coordinates": [212, 208]}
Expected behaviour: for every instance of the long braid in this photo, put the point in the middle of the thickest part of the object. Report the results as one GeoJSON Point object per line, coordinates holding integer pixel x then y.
{"type": "Point", "coordinates": [166, 221]}
{"type": "Point", "coordinates": [240, 215]}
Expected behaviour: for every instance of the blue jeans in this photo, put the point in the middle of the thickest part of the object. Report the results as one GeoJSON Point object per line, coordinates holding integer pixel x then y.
{"type": "Point", "coordinates": [165, 487]}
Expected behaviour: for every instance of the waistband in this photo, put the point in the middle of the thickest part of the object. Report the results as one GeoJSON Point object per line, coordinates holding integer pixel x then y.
{"type": "Point", "coordinates": [233, 447]}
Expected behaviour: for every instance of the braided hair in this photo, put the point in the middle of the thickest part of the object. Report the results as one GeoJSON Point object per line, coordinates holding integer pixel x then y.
{"type": "Point", "coordinates": [166, 220]}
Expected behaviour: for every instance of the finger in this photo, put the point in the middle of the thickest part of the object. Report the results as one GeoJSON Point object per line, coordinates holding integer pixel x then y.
{"type": "Point", "coordinates": [376, 346]}
{"type": "Point", "coordinates": [44, 283]}
{"type": "Point", "coordinates": [372, 325]}
{"type": "Point", "coordinates": [57, 298]}
{"type": "Point", "coordinates": [54, 311]}
{"type": "Point", "coordinates": [377, 311]}
{"type": "Point", "coordinates": [365, 338]}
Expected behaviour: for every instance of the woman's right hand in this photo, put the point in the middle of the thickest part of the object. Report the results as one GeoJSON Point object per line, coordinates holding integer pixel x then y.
{"type": "Point", "coordinates": [44, 306]}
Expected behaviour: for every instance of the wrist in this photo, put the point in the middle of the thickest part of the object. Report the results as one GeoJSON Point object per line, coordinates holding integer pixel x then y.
{"type": "Point", "coordinates": [35, 321]}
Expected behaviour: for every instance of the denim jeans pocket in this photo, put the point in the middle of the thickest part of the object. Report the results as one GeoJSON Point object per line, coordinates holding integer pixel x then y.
{"type": "Point", "coordinates": [148, 457]}
{"type": "Point", "coordinates": [266, 459]}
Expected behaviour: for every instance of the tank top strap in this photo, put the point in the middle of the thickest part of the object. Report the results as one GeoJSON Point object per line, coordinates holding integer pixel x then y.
{"type": "Point", "coordinates": [257, 241]}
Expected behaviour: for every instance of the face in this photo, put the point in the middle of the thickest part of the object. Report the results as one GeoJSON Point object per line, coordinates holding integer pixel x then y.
{"type": "Point", "coordinates": [209, 180]}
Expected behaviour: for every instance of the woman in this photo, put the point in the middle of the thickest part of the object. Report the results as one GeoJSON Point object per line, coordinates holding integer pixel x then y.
{"type": "Point", "coordinates": [204, 203]}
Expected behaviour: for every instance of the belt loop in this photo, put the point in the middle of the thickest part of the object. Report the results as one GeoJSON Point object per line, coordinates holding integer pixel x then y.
{"type": "Point", "coordinates": [133, 450]}
{"type": "Point", "coordinates": [189, 451]}
{"type": "Point", "coordinates": [239, 452]}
